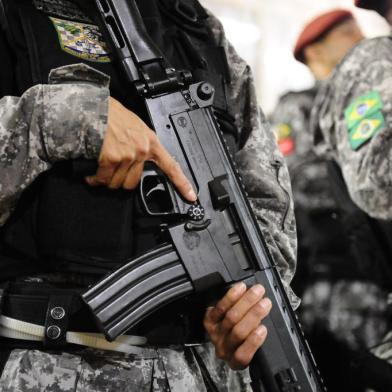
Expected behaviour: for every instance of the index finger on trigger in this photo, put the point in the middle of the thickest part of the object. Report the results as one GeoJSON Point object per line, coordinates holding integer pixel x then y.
{"type": "Point", "coordinates": [175, 174]}
{"type": "Point", "coordinates": [227, 302]}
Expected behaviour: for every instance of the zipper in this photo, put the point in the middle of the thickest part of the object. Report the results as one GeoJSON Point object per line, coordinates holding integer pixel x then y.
{"type": "Point", "coordinates": [278, 165]}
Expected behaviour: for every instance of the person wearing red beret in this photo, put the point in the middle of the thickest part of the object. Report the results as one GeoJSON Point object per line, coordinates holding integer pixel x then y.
{"type": "Point", "coordinates": [326, 40]}
{"type": "Point", "coordinates": [328, 277]}
{"type": "Point", "coordinates": [321, 45]}
{"type": "Point", "coordinates": [352, 125]}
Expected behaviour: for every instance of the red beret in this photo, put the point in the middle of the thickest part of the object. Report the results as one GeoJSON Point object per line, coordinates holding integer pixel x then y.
{"type": "Point", "coordinates": [317, 28]}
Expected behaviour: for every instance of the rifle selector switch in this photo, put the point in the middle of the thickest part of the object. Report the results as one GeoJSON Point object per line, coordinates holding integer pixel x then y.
{"type": "Point", "coordinates": [205, 91]}
{"type": "Point", "coordinates": [196, 212]}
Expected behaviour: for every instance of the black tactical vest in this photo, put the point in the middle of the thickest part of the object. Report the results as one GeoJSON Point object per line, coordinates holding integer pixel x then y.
{"type": "Point", "coordinates": [60, 223]}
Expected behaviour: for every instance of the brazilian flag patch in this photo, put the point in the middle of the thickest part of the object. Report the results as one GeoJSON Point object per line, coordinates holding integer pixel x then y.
{"type": "Point", "coordinates": [364, 119]}
{"type": "Point", "coordinates": [81, 40]}
{"type": "Point", "coordinates": [365, 130]}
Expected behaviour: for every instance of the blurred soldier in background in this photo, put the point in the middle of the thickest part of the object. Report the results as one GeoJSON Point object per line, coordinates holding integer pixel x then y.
{"type": "Point", "coordinates": [351, 122]}
{"type": "Point", "coordinates": [321, 46]}
{"type": "Point", "coordinates": [343, 310]}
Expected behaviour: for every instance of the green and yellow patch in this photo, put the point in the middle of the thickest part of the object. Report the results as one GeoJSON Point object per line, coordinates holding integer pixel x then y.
{"type": "Point", "coordinates": [364, 119]}
{"type": "Point", "coordinates": [81, 40]}
{"type": "Point", "coordinates": [284, 135]}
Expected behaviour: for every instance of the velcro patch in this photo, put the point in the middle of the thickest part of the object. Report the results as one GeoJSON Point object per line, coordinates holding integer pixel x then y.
{"type": "Point", "coordinates": [364, 118]}
{"type": "Point", "coordinates": [284, 136]}
{"type": "Point", "coordinates": [363, 107]}
{"type": "Point", "coordinates": [366, 129]}
{"type": "Point", "coordinates": [81, 40]}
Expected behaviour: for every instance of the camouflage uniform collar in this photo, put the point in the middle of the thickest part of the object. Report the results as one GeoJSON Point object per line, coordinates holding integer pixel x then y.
{"type": "Point", "coordinates": [65, 9]}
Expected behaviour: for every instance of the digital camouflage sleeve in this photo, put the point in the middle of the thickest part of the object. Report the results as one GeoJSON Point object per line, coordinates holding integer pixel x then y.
{"type": "Point", "coordinates": [65, 119]}
{"type": "Point", "coordinates": [261, 164]}
{"type": "Point", "coordinates": [352, 122]}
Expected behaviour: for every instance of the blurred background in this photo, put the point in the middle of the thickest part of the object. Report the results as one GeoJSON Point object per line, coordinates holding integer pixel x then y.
{"type": "Point", "coordinates": [344, 310]}
{"type": "Point", "coordinates": [264, 33]}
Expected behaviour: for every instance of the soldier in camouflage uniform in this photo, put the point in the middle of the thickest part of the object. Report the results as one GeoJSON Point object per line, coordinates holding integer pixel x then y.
{"type": "Point", "coordinates": [351, 124]}
{"type": "Point", "coordinates": [309, 177]}
{"type": "Point", "coordinates": [323, 246]}
{"type": "Point", "coordinates": [73, 116]}
{"type": "Point", "coordinates": [331, 286]}
{"type": "Point", "coordinates": [351, 128]}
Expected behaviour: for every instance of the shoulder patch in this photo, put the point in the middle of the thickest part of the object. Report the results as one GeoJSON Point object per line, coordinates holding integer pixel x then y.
{"type": "Point", "coordinates": [81, 40]}
{"type": "Point", "coordinates": [284, 135]}
{"type": "Point", "coordinates": [366, 129]}
{"type": "Point", "coordinates": [364, 119]}
{"type": "Point", "coordinates": [362, 108]}
{"type": "Point", "coordinates": [283, 131]}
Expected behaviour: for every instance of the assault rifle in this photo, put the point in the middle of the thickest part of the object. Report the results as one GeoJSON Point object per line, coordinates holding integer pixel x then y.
{"type": "Point", "coordinates": [214, 242]}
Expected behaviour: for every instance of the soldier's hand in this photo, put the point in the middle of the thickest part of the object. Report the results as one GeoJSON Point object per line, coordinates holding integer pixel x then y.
{"type": "Point", "coordinates": [127, 145]}
{"type": "Point", "coordinates": [234, 324]}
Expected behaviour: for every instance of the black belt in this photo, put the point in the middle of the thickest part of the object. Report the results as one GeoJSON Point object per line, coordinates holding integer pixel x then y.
{"type": "Point", "coordinates": [62, 310]}
{"type": "Point", "coordinates": [58, 310]}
